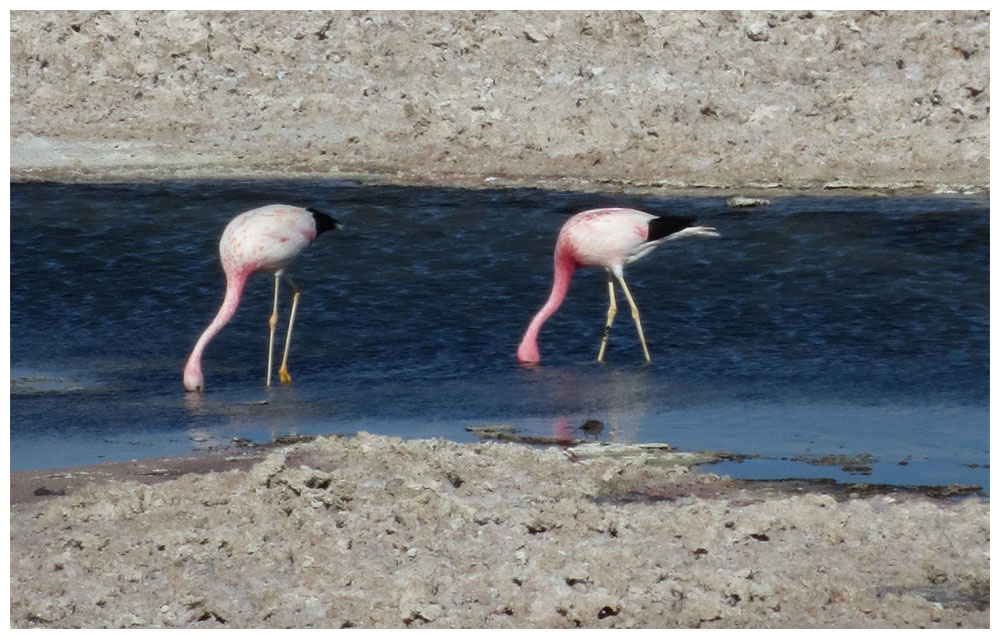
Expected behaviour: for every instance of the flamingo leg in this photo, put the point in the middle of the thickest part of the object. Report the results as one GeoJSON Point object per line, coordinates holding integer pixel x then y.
{"type": "Point", "coordinates": [612, 310]}
{"type": "Point", "coordinates": [272, 322]}
{"type": "Point", "coordinates": [283, 370]}
{"type": "Point", "coordinates": [635, 315]}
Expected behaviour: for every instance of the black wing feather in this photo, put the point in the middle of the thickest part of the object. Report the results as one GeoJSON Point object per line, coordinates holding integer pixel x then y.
{"type": "Point", "coordinates": [667, 225]}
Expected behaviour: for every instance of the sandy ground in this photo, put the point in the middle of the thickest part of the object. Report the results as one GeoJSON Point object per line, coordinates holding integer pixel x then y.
{"type": "Point", "coordinates": [374, 531]}
{"type": "Point", "coordinates": [377, 532]}
{"type": "Point", "coordinates": [578, 100]}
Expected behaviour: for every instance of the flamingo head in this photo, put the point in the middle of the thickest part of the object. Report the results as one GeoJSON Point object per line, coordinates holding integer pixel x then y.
{"type": "Point", "coordinates": [527, 352]}
{"type": "Point", "coordinates": [193, 380]}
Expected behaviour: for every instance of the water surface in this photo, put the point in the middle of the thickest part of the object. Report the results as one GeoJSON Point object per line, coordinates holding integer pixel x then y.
{"type": "Point", "coordinates": [813, 326]}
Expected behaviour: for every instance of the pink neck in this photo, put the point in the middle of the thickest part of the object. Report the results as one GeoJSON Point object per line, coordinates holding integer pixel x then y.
{"type": "Point", "coordinates": [564, 267]}
{"type": "Point", "coordinates": [235, 282]}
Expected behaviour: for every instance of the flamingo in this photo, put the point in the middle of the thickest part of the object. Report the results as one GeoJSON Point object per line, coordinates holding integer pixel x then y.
{"type": "Point", "coordinates": [262, 240]}
{"type": "Point", "coordinates": [608, 238]}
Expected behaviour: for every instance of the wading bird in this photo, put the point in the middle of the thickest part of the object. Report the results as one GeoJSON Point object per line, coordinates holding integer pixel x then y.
{"type": "Point", "coordinates": [262, 240]}
{"type": "Point", "coordinates": [610, 239]}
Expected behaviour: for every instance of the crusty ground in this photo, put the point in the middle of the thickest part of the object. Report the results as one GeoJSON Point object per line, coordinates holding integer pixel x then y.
{"type": "Point", "coordinates": [375, 531]}
{"type": "Point", "coordinates": [580, 100]}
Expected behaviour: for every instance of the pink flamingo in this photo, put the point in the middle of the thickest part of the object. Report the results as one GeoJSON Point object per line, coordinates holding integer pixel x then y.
{"type": "Point", "coordinates": [262, 240]}
{"type": "Point", "coordinates": [607, 238]}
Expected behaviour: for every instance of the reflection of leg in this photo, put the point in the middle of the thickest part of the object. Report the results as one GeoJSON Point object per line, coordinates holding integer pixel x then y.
{"type": "Point", "coordinates": [273, 322]}
{"type": "Point", "coordinates": [612, 309]}
{"type": "Point", "coordinates": [283, 371]}
{"type": "Point", "coordinates": [635, 316]}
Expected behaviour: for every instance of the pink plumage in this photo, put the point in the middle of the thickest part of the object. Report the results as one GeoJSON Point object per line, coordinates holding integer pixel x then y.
{"type": "Point", "coordinates": [262, 240]}
{"type": "Point", "coordinates": [610, 239]}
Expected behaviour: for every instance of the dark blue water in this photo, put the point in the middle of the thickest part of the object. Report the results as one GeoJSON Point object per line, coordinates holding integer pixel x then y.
{"type": "Point", "coordinates": [814, 326]}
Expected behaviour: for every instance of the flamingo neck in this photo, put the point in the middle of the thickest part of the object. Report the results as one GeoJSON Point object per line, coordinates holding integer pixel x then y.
{"type": "Point", "coordinates": [564, 266]}
{"type": "Point", "coordinates": [193, 379]}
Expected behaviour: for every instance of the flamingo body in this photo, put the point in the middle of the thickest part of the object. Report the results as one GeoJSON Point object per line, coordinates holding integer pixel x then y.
{"type": "Point", "coordinates": [262, 240]}
{"type": "Point", "coordinates": [266, 240]}
{"type": "Point", "coordinates": [606, 238]}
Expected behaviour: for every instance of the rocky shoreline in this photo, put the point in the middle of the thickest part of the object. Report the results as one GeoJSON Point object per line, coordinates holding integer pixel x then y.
{"type": "Point", "coordinates": [374, 531]}
{"type": "Point", "coordinates": [649, 101]}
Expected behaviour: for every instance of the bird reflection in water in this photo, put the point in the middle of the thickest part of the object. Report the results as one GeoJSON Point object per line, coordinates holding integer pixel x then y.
{"type": "Point", "coordinates": [607, 407]}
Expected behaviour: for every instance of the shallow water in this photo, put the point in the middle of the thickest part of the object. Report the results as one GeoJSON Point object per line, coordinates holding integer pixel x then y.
{"type": "Point", "coordinates": [813, 326]}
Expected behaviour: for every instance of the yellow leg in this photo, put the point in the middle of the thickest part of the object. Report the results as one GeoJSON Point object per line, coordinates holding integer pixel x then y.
{"type": "Point", "coordinates": [635, 315]}
{"type": "Point", "coordinates": [283, 371]}
{"type": "Point", "coordinates": [612, 309]}
{"type": "Point", "coordinates": [273, 322]}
